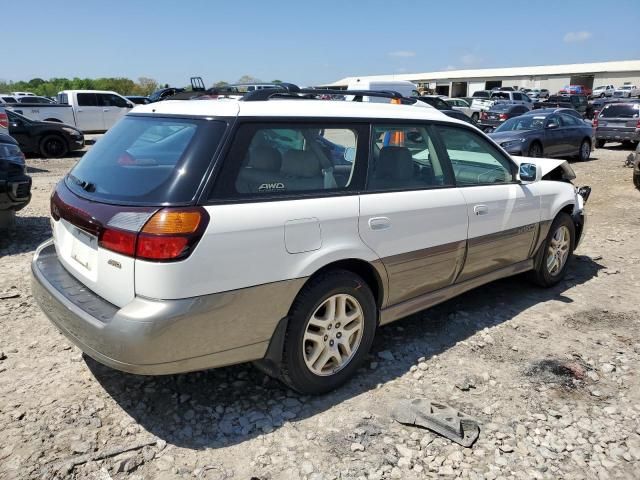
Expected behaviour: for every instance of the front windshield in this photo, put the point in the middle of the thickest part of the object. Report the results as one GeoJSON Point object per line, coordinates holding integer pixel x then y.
{"type": "Point", "coordinates": [525, 122]}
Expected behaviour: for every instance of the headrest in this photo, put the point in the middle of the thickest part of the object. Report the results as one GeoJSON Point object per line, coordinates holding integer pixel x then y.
{"type": "Point", "coordinates": [299, 163]}
{"type": "Point", "coordinates": [395, 162]}
{"type": "Point", "coordinates": [265, 158]}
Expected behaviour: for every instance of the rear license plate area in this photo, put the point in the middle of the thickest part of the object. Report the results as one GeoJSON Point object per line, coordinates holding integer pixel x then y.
{"type": "Point", "coordinates": [84, 249]}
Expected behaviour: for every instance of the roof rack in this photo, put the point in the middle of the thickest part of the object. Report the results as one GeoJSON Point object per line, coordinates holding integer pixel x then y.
{"type": "Point", "coordinates": [291, 91]}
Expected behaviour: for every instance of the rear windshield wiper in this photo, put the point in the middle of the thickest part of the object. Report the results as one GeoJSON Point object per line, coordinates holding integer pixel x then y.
{"type": "Point", "coordinates": [83, 184]}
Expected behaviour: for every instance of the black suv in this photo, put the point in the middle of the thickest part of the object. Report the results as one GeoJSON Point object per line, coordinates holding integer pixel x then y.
{"type": "Point", "coordinates": [15, 184]}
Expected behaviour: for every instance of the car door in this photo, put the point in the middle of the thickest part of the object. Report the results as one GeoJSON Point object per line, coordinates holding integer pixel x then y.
{"type": "Point", "coordinates": [89, 115]}
{"type": "Point", "coordinates": [411, 214]}
{"type": "Point", "coordinates": [572, 127]}
{"type": "Point", "coordinates": [503, 215]}
{"type": "Point", "coordinates": [114, 107]}
{"type": "Point", "coordinates": [554, 142]}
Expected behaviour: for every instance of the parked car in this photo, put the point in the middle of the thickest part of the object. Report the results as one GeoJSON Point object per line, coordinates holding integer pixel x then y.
{"type": "Point", "coordinates": [438, 103]}
{"type": "Point", "coordinates": [484, 104]}
{"type": "Point", "coordinates": [627, 91]}
{"type": "Point", "coordinates": [7, 98]}
{"type": "Point", "coordinates": [541, 134]}
{"type": "Point", "coordinates": [618, 122]}
{"type": "Point", "coordinates": [164, 93]}
{"type": "Point", "coordinates": [49, 139]}
{"type": "Point", "coordinates": [603, 91]}
{"type": "Point", "coordinates": [457, 114]}
{"type": "Point", "coordinates": [498, 114]}
{"type": "Point", "coordinates": [636, 168]}
{"type": "Point", "coordinates": [34, 99]}
{"type": "Point", "coordinates": [533, 94]}
{"type": "Point", "coordinates": [87, 110]}
{"type": "Point", "coordinates": [308, 258]}
{"type": "Point", "coordinates": [138, 99]}
{"type": "Point", "coordinates": [579, 103]}
{"type": "Point", "coordinates": [462, 106]}
{"type": "Point", "coordinates": [15, 184]}
{"type": "Point", "coordinates": [575, 90]}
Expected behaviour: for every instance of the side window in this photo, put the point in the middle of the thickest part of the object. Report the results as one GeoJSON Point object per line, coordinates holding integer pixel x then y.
{"type": "Point", "coordinates": [517, 96]}
{"type": "Point", "coordinates": [569, 121]}
{"type": "Point", "coordinates": [293, 158]}
{"type": "Point", "coordinates": [474, 160]}
{"type": "Point", "coordinates": [87, 100]}
{"type": "Point", "coordinates": [111, 100]}
{"type": "Point", "coordinates": [404, 158]}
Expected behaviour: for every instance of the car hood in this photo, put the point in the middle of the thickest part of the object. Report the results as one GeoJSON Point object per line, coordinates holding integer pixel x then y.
{"type": "Point", "coordinates": [547, 165]}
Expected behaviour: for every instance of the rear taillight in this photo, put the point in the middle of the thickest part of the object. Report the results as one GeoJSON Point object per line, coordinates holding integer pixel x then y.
{"type": "Point", "coordinates": [4, 120]}
{"type": "Point", "coordinates": [503, 116]}
{"type": "Point", "coordinates": [595, 121]}
{"type": "Point", "coordinates": [638, 124]}
{"type": "Point", "coordinates": [483, 116]}
{"type": "Point", "coordinates": [170, 234]}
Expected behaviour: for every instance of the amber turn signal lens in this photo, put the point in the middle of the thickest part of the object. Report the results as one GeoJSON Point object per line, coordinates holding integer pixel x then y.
{"type": "Point", "coordinates": [171, 222]}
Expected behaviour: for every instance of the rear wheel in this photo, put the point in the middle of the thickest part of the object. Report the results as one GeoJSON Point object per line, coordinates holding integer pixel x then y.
{"type": "Point", "coordinates": [585, 151]}
{"type": "Point", "coordinates": [600, 143]}
{"type": "Point", "coordinates": [556, 252]}
{"type": "Point", "coordinates": [331, 328]}
{"type": "Point", "coordinates": [535, 150]}
{"type": "Point", "coordinates": [475, 117]}
{"type": "Point", "coordinates": [53, 146]}
{"type": "Point", "coordinates": [636, 180]}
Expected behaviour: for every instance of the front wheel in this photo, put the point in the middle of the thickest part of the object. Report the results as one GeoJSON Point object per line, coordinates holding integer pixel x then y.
{"type": "Point", "coordinates": [535, 150]}
{"type": "Point", "coordinates": [53, 146]}
{"type": "Point", "coordinates": [556, 252]}
{"type": "Point", "coordinates": [331, 327]}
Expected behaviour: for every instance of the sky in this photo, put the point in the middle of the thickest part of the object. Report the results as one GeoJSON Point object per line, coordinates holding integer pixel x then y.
{"type": "Point", "coordinates": [308, 43]}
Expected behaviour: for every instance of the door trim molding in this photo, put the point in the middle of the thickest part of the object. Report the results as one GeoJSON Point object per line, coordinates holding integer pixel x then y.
{"type": "Point", "coordinates": [403, 309]}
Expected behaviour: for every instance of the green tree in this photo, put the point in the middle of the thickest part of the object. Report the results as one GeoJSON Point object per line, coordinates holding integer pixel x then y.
{"type": "Point", "coordinates": [248, 79]}
{"type": "Point", "coordinates": [220, 84]}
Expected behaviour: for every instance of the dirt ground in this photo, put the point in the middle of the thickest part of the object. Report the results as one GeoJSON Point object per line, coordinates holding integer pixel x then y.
{"type": "Point", "coordinates": [551, 376]}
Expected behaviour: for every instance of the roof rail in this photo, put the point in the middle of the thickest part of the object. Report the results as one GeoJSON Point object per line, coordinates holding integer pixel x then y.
{"type": "Point", "coordinates": [291, 91]}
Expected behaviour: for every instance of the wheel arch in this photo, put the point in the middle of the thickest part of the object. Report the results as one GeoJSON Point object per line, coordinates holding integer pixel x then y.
{"type": "Point", "coordinates": [373, 273]}
{"type": "Point", "coordinates": [56, 120]}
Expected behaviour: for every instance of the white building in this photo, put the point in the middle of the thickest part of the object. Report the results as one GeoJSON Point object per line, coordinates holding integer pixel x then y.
{"type": "Point", "coordinates": [462, 83]}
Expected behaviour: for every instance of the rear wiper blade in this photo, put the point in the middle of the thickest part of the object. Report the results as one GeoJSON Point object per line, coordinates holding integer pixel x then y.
{"type": "Point", "coordinates": [83, 184]}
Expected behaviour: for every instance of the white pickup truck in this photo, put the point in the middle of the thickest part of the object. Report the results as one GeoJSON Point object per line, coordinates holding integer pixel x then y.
{"type": "Point", "coordinates": [87, 110]}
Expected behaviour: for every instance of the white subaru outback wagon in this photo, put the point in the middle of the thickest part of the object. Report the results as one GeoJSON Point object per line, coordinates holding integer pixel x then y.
{"type": "Point", "coordinates": [198, 234]}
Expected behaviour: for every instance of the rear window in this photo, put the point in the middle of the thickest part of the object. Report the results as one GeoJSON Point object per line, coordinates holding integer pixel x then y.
{"type": "Point", "coordinates": [481, 94]}
{"type": "Point", "coordinates": [148, 160]}
{"type": "Point", "coordinates": [620, 111]}
{"type": "Point", "coordinates": [504, 95]}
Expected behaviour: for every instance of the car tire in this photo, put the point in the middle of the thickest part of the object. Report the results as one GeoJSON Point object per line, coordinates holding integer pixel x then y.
{"type": "Point", "coordinates": [535, 150]}
{"type": "Point", "coordinates": [475, 117]}
{"type": "Point", "coordinates": [322, 350]}
{"type": "Point", "coordinates": [585, 150]}
{"type": "Point", "coordinates": [600, 143]}
{"type": "Point", "coordinates": [53, 146]}
{"type": "Point", "coordinates": [602, 95]}
{"type": "Point", "coordinates": [636, 181]}
{"type": "Point", "coordinates": [555, 253]}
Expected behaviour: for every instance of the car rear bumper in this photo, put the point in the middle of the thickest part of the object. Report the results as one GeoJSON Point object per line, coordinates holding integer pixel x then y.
{"type": "Point", "coordinates": [618, 135]}
{"type": "Point", "coordinates": [156, 337]}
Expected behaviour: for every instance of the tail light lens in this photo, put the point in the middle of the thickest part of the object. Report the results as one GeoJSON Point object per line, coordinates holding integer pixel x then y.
{"type": "Point", "coordinates": [638, 124]}
{"type": "Point", "coordinates": [483, 116]}
{"type": "Point", "coordinates": [595, 121]}
{"type": "Point", "coordinates": [503, 116]}
{"type": "Point", "coordinates": [170, 234]}
{"type": "Point", "coordinates": [4, 120]}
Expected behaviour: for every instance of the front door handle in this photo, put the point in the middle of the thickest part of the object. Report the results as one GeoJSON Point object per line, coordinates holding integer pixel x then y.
{"type": "Point", "coordinates": [379, 223]}
{"type": "Point", "coordinates": [480, 209]}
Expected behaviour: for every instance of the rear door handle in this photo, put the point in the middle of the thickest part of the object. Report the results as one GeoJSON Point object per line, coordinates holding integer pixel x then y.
{"type": "Point", "coordinates": [480, 209]}
{"type": "Point", "coordinates": [379, 223]}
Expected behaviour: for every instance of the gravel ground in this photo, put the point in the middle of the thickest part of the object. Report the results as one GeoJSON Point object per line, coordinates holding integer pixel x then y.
{"type": "Point", "coordinates": [549, 374]}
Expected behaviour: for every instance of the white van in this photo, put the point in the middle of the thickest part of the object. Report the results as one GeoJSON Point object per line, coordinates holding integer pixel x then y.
{"type": "Point", "coordinates": [407, 89]}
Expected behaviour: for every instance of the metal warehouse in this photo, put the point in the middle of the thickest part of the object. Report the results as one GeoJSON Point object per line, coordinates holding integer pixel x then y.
{"type": "Point", "coordinates": [462, 83]}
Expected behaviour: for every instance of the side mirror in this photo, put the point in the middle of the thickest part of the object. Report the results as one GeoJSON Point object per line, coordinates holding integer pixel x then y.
{"type": "Point", "coordinates": [552, 125]}
{"type": "Point", "coordinates": [529, 173]}
{"type": "Point", "coordinates": [350, 154]}
{"type": "Point", "coordinates": [130, 105]}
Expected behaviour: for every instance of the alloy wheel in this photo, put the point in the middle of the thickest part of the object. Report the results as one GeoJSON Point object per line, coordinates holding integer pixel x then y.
{"type": "Point", "coordinates": [558, 250]}
{"type": "Point", "coordinates": [333, 334]}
